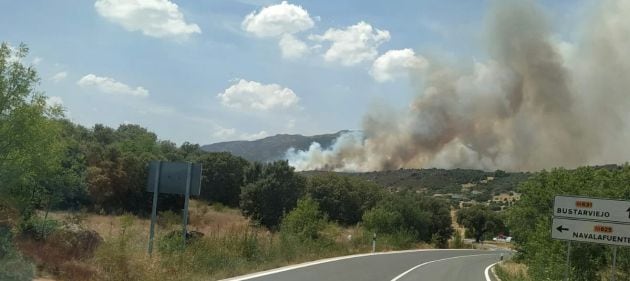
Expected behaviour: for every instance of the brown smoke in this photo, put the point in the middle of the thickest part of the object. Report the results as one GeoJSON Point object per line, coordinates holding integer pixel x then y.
{"type": "Point", "coordinates": [536, 103]}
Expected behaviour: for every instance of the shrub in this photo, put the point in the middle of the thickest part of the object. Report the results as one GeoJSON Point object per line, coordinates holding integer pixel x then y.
{"type": "Point", "coordinates": [458, 241]}
{"type": "Point", "coordinates": [61, 252]}
{"type": "Point", "coordinates": [169, 218]}
{"type": "Point", "coordinates": [382, 220]}
{"type": "Point", "coordinates": [13, 267]}
{"type": "Point", "coordinates": [305, 221]}
{"type": "Point", "coordinates": [38, 228]}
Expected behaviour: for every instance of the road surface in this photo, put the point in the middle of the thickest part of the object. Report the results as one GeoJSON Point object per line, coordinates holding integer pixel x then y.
{"type": "Point", "coordinates": [429, 265]}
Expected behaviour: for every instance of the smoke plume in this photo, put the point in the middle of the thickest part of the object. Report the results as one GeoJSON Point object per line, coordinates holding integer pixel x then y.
{"type": "Point", "coordinates": [535, 103]}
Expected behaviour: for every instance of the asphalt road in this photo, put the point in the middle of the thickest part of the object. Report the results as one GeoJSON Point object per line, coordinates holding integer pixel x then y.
{"type": "Point", "coordinates": [430, 265]}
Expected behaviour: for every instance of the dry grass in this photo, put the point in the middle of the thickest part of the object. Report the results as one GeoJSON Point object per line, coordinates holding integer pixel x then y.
{"type": "Point", "coordinates": [512, 271]}
{"type": "Point", "coordinates": [229, 247]}
{"type": "Point", "coordinates": [202, 218]}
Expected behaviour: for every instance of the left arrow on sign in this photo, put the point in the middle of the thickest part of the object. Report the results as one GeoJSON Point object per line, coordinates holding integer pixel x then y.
{"type": "Point", "coordinates": [560, 228]}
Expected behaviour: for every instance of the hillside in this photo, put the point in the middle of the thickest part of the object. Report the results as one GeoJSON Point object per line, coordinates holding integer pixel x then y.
{"type": "Point", "coordinates": [271, 148]}
{"type": "Point", "coordinates": [435, 181]}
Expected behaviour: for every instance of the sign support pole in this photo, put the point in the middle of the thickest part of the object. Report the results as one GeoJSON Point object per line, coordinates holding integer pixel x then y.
{"type": "Point", "coordinates": [186, 201]}
{"type": "Point", "coordinates": [614, 264]}
{"type": "Point", "coordinates": [568, 266]}
{"type": "Point", "coordinates": [154, 210]}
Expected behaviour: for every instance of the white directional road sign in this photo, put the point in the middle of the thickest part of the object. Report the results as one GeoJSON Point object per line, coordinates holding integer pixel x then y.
{"type": "Point", "coordinates": [591, 231]}
{"type": "Point", "coordinates": [592, 209]}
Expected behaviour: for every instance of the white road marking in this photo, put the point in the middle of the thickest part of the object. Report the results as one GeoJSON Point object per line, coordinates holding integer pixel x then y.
{"type": "Point", "coordinates": [486, 272]}
{"type": "Point", "coordinates": [429, 262]}
{"type": "Point", "coordinates": [291, 267]}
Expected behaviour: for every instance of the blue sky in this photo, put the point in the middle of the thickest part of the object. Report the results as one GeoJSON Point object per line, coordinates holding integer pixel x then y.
{"type": "Point", "coordinates": [214, 70]}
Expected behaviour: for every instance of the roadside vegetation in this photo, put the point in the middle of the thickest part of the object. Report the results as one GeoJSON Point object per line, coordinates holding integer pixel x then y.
{"type": "Point", "coordinates": [530, 222]}
{"type": "Point", "coordinates": [512, 271]}
{"type": "Point", "coordinates": [74, 206]}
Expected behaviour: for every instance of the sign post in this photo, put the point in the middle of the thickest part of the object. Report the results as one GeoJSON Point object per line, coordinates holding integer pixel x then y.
{"type": "Point", "coordinates": [592, 220]}
{"type": "Point", "coordinates": [614, 263]}
{"type": "Point", "coordinates": [566, 270]}
{"type": "Point", "coordinates": [172, 178]}
{"type": "Point", "coordinates": [186, 199]}
{"type": "Point", "coordinates": [154, 209]}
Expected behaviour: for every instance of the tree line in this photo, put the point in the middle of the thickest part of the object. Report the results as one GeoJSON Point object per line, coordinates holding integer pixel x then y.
{"type": "Point", "coordinates": [49, 163]}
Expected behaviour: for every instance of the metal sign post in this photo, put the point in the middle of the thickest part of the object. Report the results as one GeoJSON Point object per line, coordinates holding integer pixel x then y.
{"type": "Point", "coordinates": [568, 264]}
{"type": "Point", "coordinates": [172, 178]}
{"type": "Point", "coordinates": [186, 200]}
{"type": "Point", "coordinates": [154, 210]}
{"type": "Point", "coordinates": [614, 263]}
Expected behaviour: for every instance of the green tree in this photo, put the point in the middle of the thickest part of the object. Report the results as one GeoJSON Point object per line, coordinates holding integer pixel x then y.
{"type": "Point", "coordinates": [382, 220]}
{"type": "Point", "coordinates": [223, 176]}
{"type": "Point", "coordinates": [441, 222]}
{"type": "Point", "coordinates": [480, 220]}
{"type": "Point", "coordinates": [31, 146]}
{"type": "Point", "coordinates": [343, 199]}
{"type": "Point", "coordinates": [274, 194]}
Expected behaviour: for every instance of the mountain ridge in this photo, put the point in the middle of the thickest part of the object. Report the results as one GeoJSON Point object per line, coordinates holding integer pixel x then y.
{"type": "Point", "coordinates": [273, 147]}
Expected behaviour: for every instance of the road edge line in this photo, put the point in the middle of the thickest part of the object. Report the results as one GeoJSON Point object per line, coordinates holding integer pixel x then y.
{"type": "Point", "coordinates": [321, 261]}
{"type": "Point", "coordinates": [429, 262]}
{"type": "Point", "coordinates": [488, 269]}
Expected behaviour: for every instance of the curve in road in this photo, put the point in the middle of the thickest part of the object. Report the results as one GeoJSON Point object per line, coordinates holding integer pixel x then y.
{"type": "Point", "coordinates": [432, 265]}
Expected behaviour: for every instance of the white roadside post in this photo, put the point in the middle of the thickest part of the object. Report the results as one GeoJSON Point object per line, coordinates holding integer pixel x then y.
{"type": "Point", "coordinates": [374, 243]}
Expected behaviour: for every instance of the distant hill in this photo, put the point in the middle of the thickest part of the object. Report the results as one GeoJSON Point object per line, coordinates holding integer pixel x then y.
{"type": "Point", "coordinates": [271, 148]}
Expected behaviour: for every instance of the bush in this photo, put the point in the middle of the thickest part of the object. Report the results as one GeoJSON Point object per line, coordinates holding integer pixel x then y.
{"type": "Point", "coordinates": [169, 218]}
{"type": "Point", "coordinates": [305, 221]}
{"type": "Point", "coordinates": [115, 256]}
{"type": "Point", "coordinates": [38, 228]}
{"type": "Point", "coordinates": [382, 220]}
{"type": "Point", "coordinates": [458, 241]}
{"type": "Point", "coordinates": [62, 251]}
{"type": "Point", "coordinates": [13, 267]}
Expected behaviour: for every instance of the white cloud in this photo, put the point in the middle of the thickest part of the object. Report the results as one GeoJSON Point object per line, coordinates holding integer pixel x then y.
{"type": "Point", "coordinates": [396, 63]}
{"type": "Point", "coordinates": [37, 60]}
{"type": "Point", "coordinates": [276, 20]}
{"type": "Point", "coordinates": [292, 47]}
{"type": "Point", "coordinates": [353, 44]}
{"type": "Point", "coordinates": [54, 101]}
{"type": "Point", "coordinates": [155, 18]}
{"type": "Point", "coordinates": [223, 134]}
{"type": "Point", "coordinates": [110, 86]}
{"type": "Point", "coordinates": [251, 95]}
{"type": "Point", "coordinates": [255, 136]}
{"type": "Point", "coordinates": [59, 76]}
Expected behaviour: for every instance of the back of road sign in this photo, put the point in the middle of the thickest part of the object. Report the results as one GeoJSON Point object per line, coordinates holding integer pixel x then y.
{"type": "Point", "coordinates": [173, 176]}
{"type": "Point", "coordinates": [591, 209]}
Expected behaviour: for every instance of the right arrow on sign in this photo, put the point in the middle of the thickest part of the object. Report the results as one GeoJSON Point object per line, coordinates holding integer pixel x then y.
{"type": "Point", "coordinates": [628, 212]}
{"type": "Point", "coordinates": [560, 228]}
